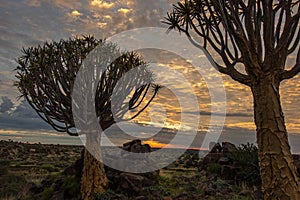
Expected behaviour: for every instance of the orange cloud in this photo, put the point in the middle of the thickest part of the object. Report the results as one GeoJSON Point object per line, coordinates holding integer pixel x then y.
{"type": "Point", "coordinates": [124, 11]}
{"type": "Point", "coordinates": [102, 4]}
{"type": "Point", "coordinates": [76, 13]}
{"type": "Point", "coordinates": [156, 144]}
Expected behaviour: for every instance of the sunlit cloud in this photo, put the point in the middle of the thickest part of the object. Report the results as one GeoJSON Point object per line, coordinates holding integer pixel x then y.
{"type": "Point", "coordinates": [69, 4]}
{"type": "Point", "coordinates": [107, 17]}
{"type": "Point", "coordinates": [101, 24]}
{"type": "Point", "coordinates": [76, 13]}
{"type": "Point", "coordinates": [157, 144]}
{"type": "Point", "coordinates": [125, 11]}
{"type": "Point", "coordinates": [104, 18]}
{"type": "Point", "coordinates": [102, 4]}
{"type": "Point", "coordinates": [33, 3]}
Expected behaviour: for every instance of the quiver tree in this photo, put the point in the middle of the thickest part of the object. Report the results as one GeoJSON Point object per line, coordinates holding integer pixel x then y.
{"type": "Point", "coordinates": [46, 76]}
{"type": "Point", "coordinates": [260, 35]}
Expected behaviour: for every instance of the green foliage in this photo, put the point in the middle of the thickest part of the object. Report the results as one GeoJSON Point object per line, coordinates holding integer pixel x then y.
{"type": "Point", "coordinates": [11, 185]}
{"type": "Point", "coordinates": [246, 158]}
{"type": "Point", "coordinates": [214, 168]}
{"type": "Point", "coordinates": [29, 197]}
{"type": "Point", "coordinates": [47, 193]}
{"type": "Point", "coordinates": [49, 167]}
{"type": "Point", "coordinates": [105, 196]}
{"type": "Point", "coordinates": [169, 187]}
{"type": "Point", "coordinates": [71, 184]}
{"type": "Point", "coordinates": [4, 164]}
{"type": "Point", "coordinates": [238, 197]}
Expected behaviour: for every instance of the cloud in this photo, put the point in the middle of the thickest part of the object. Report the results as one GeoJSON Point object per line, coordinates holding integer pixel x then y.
{"type": "Point", "coordinates": [21, 116]}
{"type": "Point", "coordinates": [31, 22]}
{"type": "Point", "coordinates": [6, 104]}
{"type": "Point", "coordinates": [102, 4]}
{"type": "Point", "coordinates": [76, 13]}
{"type": "Point", "coordinates": [125, 11]}
{"type": "Point", "coordinates": [33, 3]}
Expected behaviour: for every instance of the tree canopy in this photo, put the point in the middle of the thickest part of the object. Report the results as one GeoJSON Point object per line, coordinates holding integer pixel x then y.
{"type": "Point", "coordinates": [251, 32]}
{"type": "Point", "coordinates": [46, 75]}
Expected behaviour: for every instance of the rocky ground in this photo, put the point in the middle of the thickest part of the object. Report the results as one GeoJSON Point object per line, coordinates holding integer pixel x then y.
{"type": "Point", "coordinates": [39, 171]}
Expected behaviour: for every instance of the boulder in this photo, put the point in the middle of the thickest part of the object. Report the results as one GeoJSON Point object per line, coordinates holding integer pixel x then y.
{"type": "Point", "coordinates": [223, 161]}
{"type": "Point", "coordinates": [75, 168]}
{"type": "Point", "coordinates": [228, 147]}
{"type": "Point", "coordinates": [215, 148]}
{"type": "Point", "coordinates": [29, 188]}
{"type": "Point", "coordinates": [220, 155]}
{"type": "Point", "coordinates": [128, 145]}
{"type": "Point", "coordinates": [129, 182]}
{"type": "Point", "coordinates": [210, 158]}
{"type": "Point", "coordinates": [228, 172]}
{"type": "Point", "coordinates": [297, 162]}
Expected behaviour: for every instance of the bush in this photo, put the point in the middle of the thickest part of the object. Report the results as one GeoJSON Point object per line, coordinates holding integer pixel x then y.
{"type": "Point", "coordinates": [4, 164]}
{"type": "Point", "coordinates": [245, 157]}
{"type": "Point", "coordinates": [106, 195]}
{"type": "Point", "coordinates": [214, 168]}
{"type": "Point", "coordinates": [71, 184]}
{"type": "Point", "coordinates": [49, 168]}
{"type": "Point", "coordinates": [47, 193]}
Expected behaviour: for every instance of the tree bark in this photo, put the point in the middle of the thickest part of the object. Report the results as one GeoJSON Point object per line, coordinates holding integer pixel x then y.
{"type": "Point", "coordinates": [278, 172]}
{"type": "Point", "coordinates": [94, 180]}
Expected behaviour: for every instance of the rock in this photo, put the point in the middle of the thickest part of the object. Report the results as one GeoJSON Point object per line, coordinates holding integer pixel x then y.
{"type": "Point", "coordinates": [57, 185]}
{"type": "Point", "coordinates": [297, 162]}
{"type": "Point", "coordinates": [32, 150]}
{"type": "Point", "coordinates": [218, 155]}
{"type": "Point", "coordinates": [228, 172]}
{"type": "Point", "coordinates": [245, 193]}
{"type": "Point", "coordinates": [223, 161]}
{"type": "Point", "coordinates": [29, 188]}
{"type": "Point", "coordinates": [128, 145]}
{"type": "Point", "coordinates": [215, 148]}
{"type": "Point", "coordinates": [188, 163]}
{"type": "Point", "coordinates": [190, 188]}
{"type": "Point", "coordinates": [141, 198]}
{"type": "Point", "coordinates": [75, 168]}
{"type": "Point", "coordinates": [182, 196]}
{"type": "Point", "coordinates": [228, 147]}
{"type": "Point", "coordinates": [257, 194]}
{"type": "Point", "coordinates": [211, 158]}
{"type": "Point", "coordinates": [58, 195]}
{"type": "Point", "coordinates": [131, 182]}
{"type": "Point", "coordinates": [209, 191]}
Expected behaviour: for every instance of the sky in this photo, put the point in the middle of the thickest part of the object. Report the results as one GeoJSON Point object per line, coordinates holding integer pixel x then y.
{"type": "Point", "coordinates": [31, 22]}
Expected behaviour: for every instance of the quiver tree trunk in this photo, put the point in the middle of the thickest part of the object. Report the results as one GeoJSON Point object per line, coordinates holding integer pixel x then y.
{"type": "Point", "coordinates": [94, 180]}
{"type": "Point", "coordinates": [278, 172]}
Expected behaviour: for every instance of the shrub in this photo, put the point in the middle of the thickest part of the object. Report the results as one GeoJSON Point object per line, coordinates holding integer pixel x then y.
{"type": "Point", "coordinates": [49, 168]}
{"type": "Point", "coordinates": [105, 196]}
{"type": "Point", "coordinates": [214, 168]}
{"type": "Point", "coordinates": [245, 157]}
{"type": "Point", "coordinates": [71, 184]}
{"type": "Point", "coordinates": [4, 164]}
{"type": "Point", "coordinates": [47, 193]}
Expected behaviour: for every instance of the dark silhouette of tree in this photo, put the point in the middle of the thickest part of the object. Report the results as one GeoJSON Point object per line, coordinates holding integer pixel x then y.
{"type": "Point", "coordinates": [46, 76]}
{"type": "Point", "coordinates": [260, 35]}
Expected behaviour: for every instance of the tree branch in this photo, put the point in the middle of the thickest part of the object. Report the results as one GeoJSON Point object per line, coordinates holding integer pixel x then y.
{"type": "Point", "coordinates": [287, 74]}
{"type": "Point", "coordinates": [235, 75]}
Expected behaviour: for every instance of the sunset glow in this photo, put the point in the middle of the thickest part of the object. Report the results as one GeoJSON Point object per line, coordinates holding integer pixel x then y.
{"type": "Point", "coordinates": [54, 20]}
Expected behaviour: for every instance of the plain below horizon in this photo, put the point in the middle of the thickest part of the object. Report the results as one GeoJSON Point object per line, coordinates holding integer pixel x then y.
{"type": "Point", "coordinates": [162, 139]}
